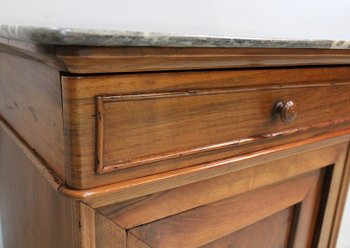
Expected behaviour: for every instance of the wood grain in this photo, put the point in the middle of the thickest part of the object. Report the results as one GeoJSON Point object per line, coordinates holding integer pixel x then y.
{"type": "Point", "coordinates": [167, 203]}
{"type": "Point", "coordinates": [342, 198]}
{"type": "Point", "coordinates": [33, 214]}
{"type": "Point", "coordinates": [200, 158]}
{"type": "Point", "coordinates": [109, 235]}
{"type": "Point", "coordinates": [80, 93]}
{"type": "Point", "coordinates": [308, 214]}
{"type": "Point", "coordinates": [87, 226]}
{"type": "Point", "coordinates": [37, 53]}
{"type": "Point", "coordinates": [119, 192]}
{"type": "Point", "coordinates": [134, 242]}
{"type": "Point", "coordinates": [205, 224]}
{"type": "Point", "coordinates": [39, 164]}
{"type": "Point", "coordinates": [276, 228]}
{"type": "Point", "coordinates": [133, 59]}
{"type": "Point", "coordinates": [82, 60]}
{"type": "Point", "coordinates": [330, 209]}
{"type": "Point", "coordinates": [139, 187]}
{"type": "Point", "coordinates": [180, 124]}
{"type": "Point", "coordinates": [30, 101]}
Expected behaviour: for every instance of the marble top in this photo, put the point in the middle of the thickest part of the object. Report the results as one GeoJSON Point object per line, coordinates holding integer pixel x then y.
{"type": "Point", "coordinates": [94, 37]}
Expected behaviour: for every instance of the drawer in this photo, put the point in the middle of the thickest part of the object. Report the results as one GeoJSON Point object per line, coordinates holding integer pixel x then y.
{"type": "Point", "coordinates": [121, 133]}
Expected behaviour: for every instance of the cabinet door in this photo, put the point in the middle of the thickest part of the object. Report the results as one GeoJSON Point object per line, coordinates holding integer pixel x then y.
{"type": "Point", "coordinates": [297, 211]}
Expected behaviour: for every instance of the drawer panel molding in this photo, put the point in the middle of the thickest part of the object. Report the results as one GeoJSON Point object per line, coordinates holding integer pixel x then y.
{"type": "Point", "coordinates": [171, 119]}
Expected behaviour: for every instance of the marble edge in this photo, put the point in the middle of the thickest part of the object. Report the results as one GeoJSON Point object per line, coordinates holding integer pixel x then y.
{"type": "Point", "coordinates": [95, 37]}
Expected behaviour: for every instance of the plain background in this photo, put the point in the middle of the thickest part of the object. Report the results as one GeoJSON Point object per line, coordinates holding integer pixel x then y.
{"type": "Point", "coordinates": [312, 19]}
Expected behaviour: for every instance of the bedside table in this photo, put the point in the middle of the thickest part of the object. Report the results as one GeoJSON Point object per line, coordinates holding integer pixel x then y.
{"type": "Point", "coordinates": [117, 139]}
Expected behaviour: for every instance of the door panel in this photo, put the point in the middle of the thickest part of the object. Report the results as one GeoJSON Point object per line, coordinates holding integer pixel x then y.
{"type": "Point", "coordinates": [248, 212]}
{"type": "Point", "coordinates": [276, 227]}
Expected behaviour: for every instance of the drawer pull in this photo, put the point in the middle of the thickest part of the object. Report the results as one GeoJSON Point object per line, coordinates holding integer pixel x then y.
{"type": "Point", "coordinates": [287, 111]}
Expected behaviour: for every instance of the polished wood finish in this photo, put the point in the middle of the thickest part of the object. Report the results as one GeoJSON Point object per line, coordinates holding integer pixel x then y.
{"type": "Point", "coordinates": [205, 224]}
{"type": "Point", "coordinates": [87, 226]}
{"type": "Point", "coordinates": [205, 116]}
{"type": "Point", "coordinates": [108, 234]}
{"type": "Point", "coordinates": [278, 226]}
{"type": "Point", "coordinates": [33, 214]}
{"type": "Point", "coordinates": [31, 103]}
{"type": "Point", "coordinates": [172, 122]}
{"type": "Point", "coordinates": [136, 242]}
{"type": "Point", "coordinates": [132, 59]}
{"type": "Point", "coordinates": [83, 60]}
{"type": "Point", "coordinates": [134, 188]}
{"type": "Point", "coordinates": [344, 188]}
{"type": "Point", "coordinates": [147, 209]}
{"type": "Point", "coordinates": [119, 192]}
{"type": "Point", "coordinates": [196, 156]}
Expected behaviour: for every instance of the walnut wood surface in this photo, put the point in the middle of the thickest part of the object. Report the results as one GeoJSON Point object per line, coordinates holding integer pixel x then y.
{"type": "Point", "coordinates": [205, 224]}
{"type": "Point", "coordinates": [30, 101]}
{"type": "Point", "coordinates": [82, 60]}
{"type": "Point", "coordinates": [139, 187]}
{"type": "Point", "coordinates": [184, 123]}
{"type": "Point", "coordinates": [331, 209]}
{"type": "Point", "coordinates": [135, 242]}
{"type": "Point", "coordinates": [177, 125]}
{"type": "Point", "coordinates": [344, 189]}
{"type": "Point", "coordinates": [33, 213]}
{"type": "Point", "coordinates": [276, 228]}
{"type": "Point", "coordinates": [164, 204]}
{"type": "Point", "coordinates": [132, 59]}
{"type": "Point", "coordinates": [109, 235]}
{"type": "Point", "coordinates": [87, 226]}
{"type": "Point", "coordinates": [229, 151]}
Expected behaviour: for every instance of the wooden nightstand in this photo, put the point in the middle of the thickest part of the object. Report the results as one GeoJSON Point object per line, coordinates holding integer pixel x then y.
{"type": "Point", "coordinates": [109, 146]}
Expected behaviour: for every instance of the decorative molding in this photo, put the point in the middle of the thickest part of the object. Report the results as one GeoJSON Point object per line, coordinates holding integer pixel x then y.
{"type": "Point", "coordinates": [83, 59]}
{"type": "Point", "coordinates": [102, 167]}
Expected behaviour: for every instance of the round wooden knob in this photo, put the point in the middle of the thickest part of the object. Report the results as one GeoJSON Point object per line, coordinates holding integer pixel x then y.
{"type": "Point", "coordinates": [286, 111]}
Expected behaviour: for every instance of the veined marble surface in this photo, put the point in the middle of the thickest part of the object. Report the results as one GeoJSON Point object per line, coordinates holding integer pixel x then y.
{"type": "Point", "coordinates": [92, 37]}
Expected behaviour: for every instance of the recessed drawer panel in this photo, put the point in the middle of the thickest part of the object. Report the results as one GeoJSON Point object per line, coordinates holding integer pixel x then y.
{"type": "Point", "coordinates": [144, 128]}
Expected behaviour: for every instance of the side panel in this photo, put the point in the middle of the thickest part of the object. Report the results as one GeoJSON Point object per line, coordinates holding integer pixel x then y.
{"type": "Point", "coordinates": [33, 213]}
{"type": "Point", "coordinates": [30, 101]}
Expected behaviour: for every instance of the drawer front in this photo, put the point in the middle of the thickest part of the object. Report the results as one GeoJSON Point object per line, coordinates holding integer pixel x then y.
{"type": "Point", "coordinates": [142, 124]}
{"type": "Point", "coordinates": [140, 129]}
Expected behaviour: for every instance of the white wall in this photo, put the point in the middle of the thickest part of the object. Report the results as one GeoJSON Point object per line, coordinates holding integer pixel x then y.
{"type": "Point", "coordinates": [344, 234]}
{"type": "Point", "coordinates": [250, 18]}
{"type": "Point", "coordinates": [254, 18]}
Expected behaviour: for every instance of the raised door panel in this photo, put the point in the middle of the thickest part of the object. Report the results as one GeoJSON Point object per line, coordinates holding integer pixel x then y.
{"type": "Point", "coordinates": [206, 224]}
{"type": "Point", "coordinates": [299, 193]}
{"type": "Point", "coordinates": [273, 231]}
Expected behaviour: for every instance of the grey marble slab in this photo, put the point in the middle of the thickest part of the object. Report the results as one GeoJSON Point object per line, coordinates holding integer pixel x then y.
{"type": "Point", "coordinates": [92, 37]}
